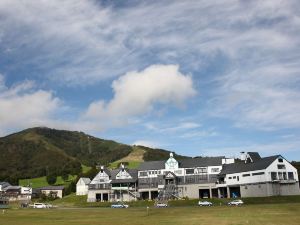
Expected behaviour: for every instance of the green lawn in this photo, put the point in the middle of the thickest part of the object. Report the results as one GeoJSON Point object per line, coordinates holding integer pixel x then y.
{"type": "Point", "coordinates": [41, 181]}
{"type": "Point", "coordinates": [264, 214]}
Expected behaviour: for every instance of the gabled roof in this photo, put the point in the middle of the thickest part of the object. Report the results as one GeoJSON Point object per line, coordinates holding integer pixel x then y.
{"type": "Point", "coordinates": [85, 180]}
{"type": "Point", "coordinates": [132, 172]}
{"type": "Point", "coordinates": [241, 166]}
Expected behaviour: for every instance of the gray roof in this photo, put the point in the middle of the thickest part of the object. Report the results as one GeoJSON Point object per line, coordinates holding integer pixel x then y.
{"type": "Point", "coordinates": [52, 188]}
{"type": "Point", "coordinates": [4, 184]}
{"type": "Point", "coordinates": [241, 166]}
{"type": "Point", "coordinates": [152, 165]}
{"type": "Point", "coordinates": [86, 180]}
{"type": "Point", "coordinates": [201, 162]}
{"type": "Point", "coordinates": [11, 188]}
{"type": "Point", "coordinates": [254, 156]}
{"type": "Point", "coordinates": [184, 163]}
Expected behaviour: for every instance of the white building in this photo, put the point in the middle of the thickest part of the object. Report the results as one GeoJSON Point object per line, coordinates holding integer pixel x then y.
{"type": "Point", "coordinates": [253, 176]}
{"type": "Point", "coordinates": [82, 186]}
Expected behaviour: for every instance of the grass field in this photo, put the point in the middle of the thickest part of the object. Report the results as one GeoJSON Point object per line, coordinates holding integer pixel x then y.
{"type": "Point", "coordinates": [266, 214]}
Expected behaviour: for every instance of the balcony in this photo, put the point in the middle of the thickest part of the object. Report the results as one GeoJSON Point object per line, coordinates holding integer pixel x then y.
{"type": "Point", "coordinates": [99, 186]}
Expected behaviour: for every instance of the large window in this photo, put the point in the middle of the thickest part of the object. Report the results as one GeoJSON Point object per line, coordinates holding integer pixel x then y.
{"type": "Point", "coordinates": [291, 175]}
{"type": "Point", "coordinates": [246, 175]}
{"type": "Point", "coordinates": [280, 166]}
{"type": "Point", "coordinates": [189, 171]}
{"type": "Point", "coordinates": [215, 170]}
{"type": "Point", "coordinates": [143, 174]}
{"type": "Point", "coordinates": [202, 170]}
{"type": "Point", "coordinates": [273, 175]}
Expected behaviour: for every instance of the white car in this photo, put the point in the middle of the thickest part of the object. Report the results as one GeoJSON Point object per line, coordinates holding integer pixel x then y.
{"type": "Point", "coordinates": [236, 202]}
{"type": "Point", "coordinates": [161, 205]}
{"type": "Point", "coordinates": [204, 203]}
{"type": "Point", "coordinates": [119, 205]}
{"type": "Point", "coordinates": [41, 206]}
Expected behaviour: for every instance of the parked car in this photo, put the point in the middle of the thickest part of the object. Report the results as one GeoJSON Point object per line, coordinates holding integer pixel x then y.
{"type": "Point", "coordinates": [204, 203]}
{"type": "Point", "coordinates": [119, 205]}
{"type": "Point", "coordinates": [161, 205]}
{"type": "Point", "coordinates": [236, 202]}
{"type": "Point", "coordinates": [40, 205]}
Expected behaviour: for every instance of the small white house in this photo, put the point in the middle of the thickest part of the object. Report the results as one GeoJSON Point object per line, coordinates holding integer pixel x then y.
{"type": "Point", "coordinates": [82, 186]}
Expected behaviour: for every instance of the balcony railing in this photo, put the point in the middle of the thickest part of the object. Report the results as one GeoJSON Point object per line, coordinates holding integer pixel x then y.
{"type": "Point", "coordinates": [99, 186]}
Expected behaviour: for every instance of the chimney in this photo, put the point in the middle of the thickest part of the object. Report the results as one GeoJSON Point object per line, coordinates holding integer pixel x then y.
{"type": "Point", "coordinates": [243, 156]}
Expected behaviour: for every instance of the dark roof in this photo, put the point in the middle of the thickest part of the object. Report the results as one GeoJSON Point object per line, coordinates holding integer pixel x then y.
{"type": "Point", "coordinates": [152, 165]}
{"type": "Point", "coordinates": [254, 156]}
{"type": "Point", "coordinates": [184, 163]}
{"type": "Point", "coordinates": [241, 166]}
{"type": "Point", "coordinates": [52, 188]}
{"type": "Point", "coordinates": [199, 162]}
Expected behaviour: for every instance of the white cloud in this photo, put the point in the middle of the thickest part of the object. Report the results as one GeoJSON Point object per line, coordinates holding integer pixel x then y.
{"type": "Point", "coordinates": [137, 93]}
{"type": "Point", "coordinates": [266, 98]}
{"type": "Point", "coordinates": [21, 106]}
{"type": "Point", "coordinates": [87, 42]}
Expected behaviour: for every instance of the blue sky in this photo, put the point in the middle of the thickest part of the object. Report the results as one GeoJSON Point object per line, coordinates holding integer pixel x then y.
{"type": "Point", "coordinates": [196, 77]}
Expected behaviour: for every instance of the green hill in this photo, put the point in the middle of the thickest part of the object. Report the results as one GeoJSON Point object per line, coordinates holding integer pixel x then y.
{"type": "Point", "coordinates": [36, 152]}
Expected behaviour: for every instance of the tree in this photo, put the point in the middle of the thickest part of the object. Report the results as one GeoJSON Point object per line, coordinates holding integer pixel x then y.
{"type": "Point", "coordinates": [65, 175]}
{"type": "Point", "coordinates": [51, 179]}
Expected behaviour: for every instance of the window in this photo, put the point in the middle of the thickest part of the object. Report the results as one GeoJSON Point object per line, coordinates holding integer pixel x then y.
{"type": "Point", "coordinates": [143, 174]}
{"type": "Point", "coordinates": [230, 178]}
{"type": "Point", "coordinates": [202, 170]}
{"type": "Point", "coordinates": [234, 177]}
{"type": "Point", "coordinates": [257, 174]}
{"type": "Point", "coordinates": [273, 175]}
{"type": "Point", "coordinates": [291, 175]}
{"type": "Point", "coordinates": [215, 170]}
{"type": "Point", "coordinates": [280, 160]}
{"type": "Point", "coordinates": [238, 178]}
{"type": "Point", "coordinates": [179, 172]}
{"type": "Point", "coordinates": [246, 175]}
{"type": "Point", "coordinates": [280, 167]}
{"type": "Point", "coordinates": [280, 176]}
{"type": "Point", "coordinates": [189, 171]}
{"type": "Point", "coordinates": [284, 175]}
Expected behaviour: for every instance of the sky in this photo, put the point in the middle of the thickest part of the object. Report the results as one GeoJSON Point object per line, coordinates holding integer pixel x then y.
{"type": "Point", "coordinates": [201, 78]}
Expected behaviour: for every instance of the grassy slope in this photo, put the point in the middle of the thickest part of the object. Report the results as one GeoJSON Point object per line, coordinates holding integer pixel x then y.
{"type": "Point", "coordinates": [42, 182]}
{"type": "Point", "coordinates": [268, 214]}
{"type": "Point", "coordinates": [133, 159]}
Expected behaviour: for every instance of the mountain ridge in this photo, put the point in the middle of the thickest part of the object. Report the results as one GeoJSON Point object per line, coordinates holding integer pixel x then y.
{"type": "Point", "coordinates": [38, 151]}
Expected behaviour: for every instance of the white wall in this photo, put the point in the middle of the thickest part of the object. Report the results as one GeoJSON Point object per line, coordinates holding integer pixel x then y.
{"type": "Point", "coordinates": [288, 168]}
